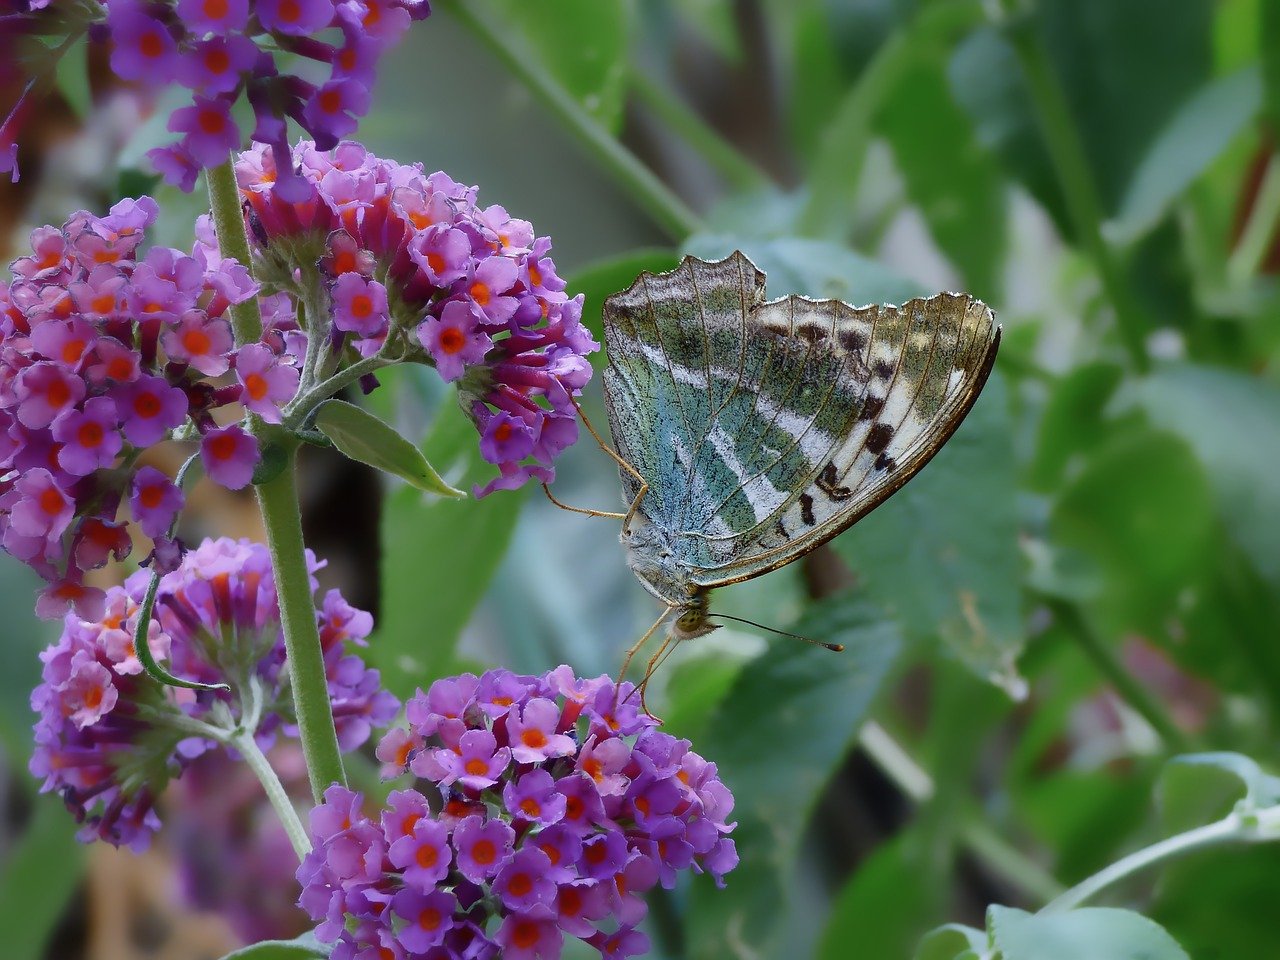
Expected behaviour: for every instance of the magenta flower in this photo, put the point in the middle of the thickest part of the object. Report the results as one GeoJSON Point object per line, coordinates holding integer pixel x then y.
{"type": "Point", "coordinates": [229, 456]}
{"type": "Point", "coordinates": [90, 437]}
{"type": "Point", "coordinates": [155, 500]}
{"type": "Point", "coordinates": [267, 383]}
{"type": "Point", "coordinates": [532, 852]}
{"type": "Point", "coordinates": [454, 340]}
{"type": "Point", "coordinates": [360, 305]}
{"type": "Point", "coordinates": [109, 739]}
{"type": "Point", "coordinates": [150, 408]}
{"type": "Point", "coordinates": [44, 391]}
{"type": "Point", "coordinates": [532, 732]}
{"type": "Point", "coordinates": [201, 341]}
{"type": "Point", "coordinates": [210, 133]}
{"type": "Point", "coordinates": [477, 763]}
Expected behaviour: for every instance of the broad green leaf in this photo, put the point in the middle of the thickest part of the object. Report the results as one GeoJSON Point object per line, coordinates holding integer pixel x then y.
{"type": "Point", "coordinates": [814, 268]}
{"type": "Point", "coordinates": [361, 436]}
{"type": "Point", "coordinates": [1232, 423]}
{"type": "Point", "coordinates": [72, 74]}
{"type": "Point", "coordinates": [1071, 423]}
{"type": "Point", "coordinates": [600, 278]}
{"type": "Point", "coordinates": [893, 886]}
{"type": "Point", "coordinates": [1141, 510]}
{"type": "Point", "coordinates": [1221, 903]}
{"type": "Point", "coordinates": [1098, 933]}
{"type": "Point", "coordinates": [39, 874]}
{"type": "Point", "coordinates": [305, 947]}
{"type": "Point", "coordinates": [777, 738]}
{"type": "Point", "coordinates": [582, 43]}
{"type": "Point", "coordinates": [1196, 136]}
{"type": "Point", "coordinates": [1123, 81]}
{"type": "Point", "coordinates": [1269, 45]}
{"type": "Point", "coordinates": [438, 557]}
{"type": "Point", "coordinates": [1199, 787]}
{"type": "Point", "coordinates": [942, 553]}
{"type": "Point", "coordinates": [959, 190]}
{"type": "Point", "coordinates": [953, 941]}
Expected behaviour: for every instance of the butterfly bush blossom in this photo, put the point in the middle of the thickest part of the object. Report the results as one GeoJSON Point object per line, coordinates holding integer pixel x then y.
{"type": "Point", "coordinates": [104, 352]}
{"type": "Point", "coordinates": [109, 738]}
{"type": "Point", "coordinates": [549, 804]}
{"type": "Point", "coordinates": [408, 267]}
{"type": "Point", "coordinates": [221, 51]}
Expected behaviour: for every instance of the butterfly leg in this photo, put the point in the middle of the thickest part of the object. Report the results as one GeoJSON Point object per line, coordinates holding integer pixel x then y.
{"type": "Point", "coordinates": [587, 510]}
{"type": "Point", "coordinates": [635, 648]}
{"type": "Point", "coordinates": [613, 455]}
{"type": "Point", "coordinates": [658, 659]}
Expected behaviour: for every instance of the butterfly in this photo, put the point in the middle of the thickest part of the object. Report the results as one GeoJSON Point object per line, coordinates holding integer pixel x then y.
{"type": "Point", "coordinates": [752, 431]}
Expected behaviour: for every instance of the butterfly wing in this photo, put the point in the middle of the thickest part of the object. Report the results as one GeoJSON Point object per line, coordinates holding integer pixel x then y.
{"type": "Point", "coordinates": [766, 428]}
{"type": "Point", "coordinates": [724, 411]}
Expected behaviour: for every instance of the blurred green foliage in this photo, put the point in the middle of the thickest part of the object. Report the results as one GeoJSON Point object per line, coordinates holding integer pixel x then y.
{"type": "Point", "coordinates": [1101, 538]}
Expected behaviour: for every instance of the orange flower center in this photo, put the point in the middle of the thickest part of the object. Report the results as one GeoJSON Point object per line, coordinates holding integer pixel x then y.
{"type": "Point", "coordinates": [215, 9]}
{"type": "Point", "coordinates": [217, 61]}
{"type": "Point", "coordinates": [146, 405]}
{"type": "Point", "coordinates": [255, 384]}
{"type": "Point", "coordinates": [330, 101]}
{"type": "Point", "coordinates": [452, 340]}
{"type": "Point", "coordinates": [73, 350]}
{"type": "Point", "coordinates": [475, 766]}
{"type": "Point", "coordinates": [51, 501]}
{"type": "Point", "coordinates": [211, 121]}
{"type": "Point", "coordinates": [532, 737]}
{"type": "Point", "coordinates": [196, 342]}
{"type": "Point", "coordinates": [59, 393]}
{"type": "Point", "coordinates": [223, 447]}
{"type": "Point", "coordinates": [484, 852]}
{"type": "Point", "coordinates": [151, 496]}
{"type": "Point", "coordinates": [361, 306]}
{"type": "Point", "coordinates": [289, 10]}
{"type": "Point", "coordinates": [520, 885]}
{"type": "Point", "coordinates": [525, 934]}
{"type": "Point", "coordinates": [427, 855]}
{"type": "Point", "coordinates": [480, 293]}
{"type": "Point", "coordinates": [89, 435]}
{"type": "Point", "coordinates": [430, 919]}
{"type": "Point", "coordinates": [150, 44]}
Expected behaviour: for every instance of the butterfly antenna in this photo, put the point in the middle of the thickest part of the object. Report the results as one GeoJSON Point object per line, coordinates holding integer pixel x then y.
{"type": "Point", "coordinates": [833, 647]}
{"type": "Point", "coordinates": [587, 510]}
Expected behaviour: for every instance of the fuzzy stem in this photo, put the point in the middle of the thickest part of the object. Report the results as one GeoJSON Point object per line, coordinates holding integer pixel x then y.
{"type": "Point", "coordinates": [1131, 691]}
{"type": "Point", "coordinates": [668, 210]}
{"type": "Point", "coordinates": [1075, 179]}
{"type": "Point", "coordinates": [1231, 829]}
{"type": "Point", "coordinates": [278, 502]}
{"type": "Point", "coordinates": [233, 241]}
{"type": "Point", "coordinates": [1255, 241]}
{"type": "Point", "coordinates": [248, 748]}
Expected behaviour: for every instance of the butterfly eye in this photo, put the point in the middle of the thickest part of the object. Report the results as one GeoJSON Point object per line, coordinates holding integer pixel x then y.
{"type": "Point", "coordinates": [689, 620]}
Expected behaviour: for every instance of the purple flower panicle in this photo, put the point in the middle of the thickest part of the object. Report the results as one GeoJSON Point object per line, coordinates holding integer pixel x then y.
{"type": "Point", "coordinates": [577, 806]}
{"type": "Point", "coordinates": [471, 288]}
{"type": "Point", "coordinates": [105, 350]}
{"type": "Point", "coordinates": [109, 738]}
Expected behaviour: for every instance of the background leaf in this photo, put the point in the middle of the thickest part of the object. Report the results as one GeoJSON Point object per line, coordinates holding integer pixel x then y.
{"type": "Point", "coordinates": [1099, 933]}
{"type": "Point", "coordinates": [38, 878]}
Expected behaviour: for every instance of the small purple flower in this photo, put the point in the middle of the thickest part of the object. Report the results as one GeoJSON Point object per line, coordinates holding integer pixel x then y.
{"type": "Point", "coordinates": [143, 49]}
{"type": "Point", "coordinates": [44, 390]}
{"type": "Point", "coordinates": [488, 283]}
{"type": "Point", "coordinates": [477, 764]}
{"type": "Point", "coordinates": [578, 904]}
{"type": "Point", "coordinates": [43, 508]}
{"type": "Point", "coordinates": [201, 341]}
{"type": "Point", "coordinates": [155, 501]}
{"type": "Point", "coordinates": [563, 847]}
{"type": "Point", "coordinates": [522, 882]}
{"type": "Point", "coordinates": [533, 798]}
{"type": "Point", "coordinates": [424, 855]}
{"type": "Point", "coordinates": [217, 65]}
{"type": "Point", "coordinates": [219, 17]}
{"type": "Point", "coordinates": [532, 731]}
{"type": "Point", "coordinates": [209, 132]}
{"type": "Point", "coordinates": [603, 855]}
{"type": "Point", "coordinates": [297, 18]}
{"type": "Point", "coordinates": [506, 439]}
{"type": "Point", "coordinates": [524, 937]}
{"type": "Point", "coordinates": [454, 339]}
{"type": "Point", "coordinates": [360, 305]}
{"type": "Point", "coordinates": [89, 437]}
{"type": "Point", "coordinates": [428, 918]}
{"type": "Point", "coordinates": [229, 456]}
{"type": "Point", "coordinates": [622, 943]}
{"type": "Point", "coordinates": [149, 409]}
{"type": "Point", "coordinates": [482, 845]}
{"type": "Point", "coordinates": [442, 253]}
{"type": "Point", "coordinates": [267, 383]}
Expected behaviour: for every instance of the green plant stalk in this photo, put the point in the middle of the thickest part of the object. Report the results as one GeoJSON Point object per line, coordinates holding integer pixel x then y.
{"type": "Point", "coordinates": [278, 502]}
{"type": "Point", "coordinates": [233, 241]}
{"type": "Point", "coordinates": [668, 210]}
{"type": "Point", "coordinates": [720, 154]}
{"type": "Point", "coordinates": [1066, 151]}
{"type": "Point", "coordinates": [248, 749]}
{"type": "Point", "coordinates": [1259, 229]}
{"type": "Point", "coordinates": [1131, 691]}
{"type": "Point", "coordinates": [1232, 829]}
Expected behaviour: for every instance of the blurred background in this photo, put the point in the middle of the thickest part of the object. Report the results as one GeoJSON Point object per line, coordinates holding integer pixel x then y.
{"type": "Point", "coordinates": [1085, 582]}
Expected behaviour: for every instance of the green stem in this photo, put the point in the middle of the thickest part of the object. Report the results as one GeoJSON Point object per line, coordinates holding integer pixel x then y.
{"type": "Point", "coordinates": [723, 156]}
{"type": "Point", "coordinates": [996, 853]}
{"type": "Point", "coordinates": [233, 241]}
{"type": "Point", "coordinates": [1071, 164]}
{"type": "Point", "coordinates": [248, 748]}
{"type": "Point", "coordinates": [278, 502]}
{"type": "Point", "coordinates": [1131, 691]}
{"type": "Point", "coordinates": [296, 415]}
{"type": "Point", "coordinates": [1255, 241]}
{"type": "Point", "coordinates": [1231, 829]}
{"type": "Point", "coordinates": [668, 210]}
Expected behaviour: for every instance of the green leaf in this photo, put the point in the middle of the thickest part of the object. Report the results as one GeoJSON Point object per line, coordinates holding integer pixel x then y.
{"type": "Point", "coordinates": [438, 557]}
{"type": "Point", "coordinates": [72, 73]}
{"type": "Point", "coordinates": [601, 278]}
{"type": "Point", "coordinates": [891, 886]}
{"type": "Point", "coordinates": [39, 875]}
{"type": "Point", "coordinates": [777, 738]}
{"type": "Point", "coordinates": [942, 553]}
{"type": "Point", "coordinates": [305, 947]}
{"type": "Point", "coordinates": [1098, 933]}
{"type": "Point", "coordinates": [960, 192]}
{"type": "Point", "coordinates": [1196, 136]}
{"type": "Point", "coordinates": [363, 437]}
{"type": "Point", "coordinates": [953, 941]}
{"type": "Point", "coordinates": [814, 268]}
{"type": "Point", "coordinates": [582, 43]}
{"type": "Point", "coordinates": [1141, 510]}
{"type": "Point", "coordinates": [1200, 787]}
{"type": "Point", "coordinates": [1072, 421]}
{"type": "Point", "coordinates": [1232, 423]}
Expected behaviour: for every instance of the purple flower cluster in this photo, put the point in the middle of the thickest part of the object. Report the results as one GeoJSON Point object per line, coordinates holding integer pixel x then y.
{"type": "Point", "coordinates": [469, 290]}
{"type": "Point", "coordinates": [109, 738]}
{"type": "Point", "coordinates": [221, 50]}
{"type": "Point", "coordinates": [103, 353]}
{"type": "Point", "coordinates": [553, 804]}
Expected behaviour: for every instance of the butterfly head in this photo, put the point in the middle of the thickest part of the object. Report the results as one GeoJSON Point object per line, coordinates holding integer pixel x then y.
{"type": "Point", "coordinates": [693, 619]}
